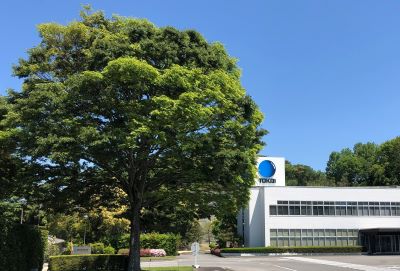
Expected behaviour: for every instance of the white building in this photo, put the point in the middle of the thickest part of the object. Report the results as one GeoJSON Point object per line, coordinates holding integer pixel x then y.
{"type": "Point", "coordinates": [279, 215]}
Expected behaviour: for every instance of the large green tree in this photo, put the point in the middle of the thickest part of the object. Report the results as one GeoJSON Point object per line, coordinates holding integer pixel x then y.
{"type": "Point", "coordinates": [361, 166]}
{"type": "Point", "coordinates": [389, 160]}
{"type": "Point", "coordinates": [303, 175]}
{"type": "Point", "coordinates": [120, 103]}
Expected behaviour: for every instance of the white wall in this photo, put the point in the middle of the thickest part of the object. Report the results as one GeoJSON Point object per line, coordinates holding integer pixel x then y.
{"type": "Point", "coordinates": [273, 194]}
{"type": "Point", "coordinates": [254, 217]}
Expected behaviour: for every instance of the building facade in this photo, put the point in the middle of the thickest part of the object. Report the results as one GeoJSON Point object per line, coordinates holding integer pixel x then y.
{"type": "Point", "coordinates": [283, 216]}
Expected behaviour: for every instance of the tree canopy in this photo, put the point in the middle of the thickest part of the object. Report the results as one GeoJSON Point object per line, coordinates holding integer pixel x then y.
{"type": "Point", "coordinates": [366, 164]}
{"type": "Point", "coordinates": [119, 103]}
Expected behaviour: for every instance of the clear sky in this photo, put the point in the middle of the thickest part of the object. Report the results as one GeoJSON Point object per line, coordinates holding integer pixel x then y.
{"type": "Point", "coordinates": [326, 74]}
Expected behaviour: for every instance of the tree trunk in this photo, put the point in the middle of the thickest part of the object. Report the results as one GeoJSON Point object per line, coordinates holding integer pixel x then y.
{"type": "Point", "coordinates": [134, 245]}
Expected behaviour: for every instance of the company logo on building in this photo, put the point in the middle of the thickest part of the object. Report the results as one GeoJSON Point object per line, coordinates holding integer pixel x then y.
{"type": "Point", "coordinates": [266, 170]}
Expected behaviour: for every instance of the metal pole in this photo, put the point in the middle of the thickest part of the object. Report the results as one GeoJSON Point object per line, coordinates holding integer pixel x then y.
{"type": "Point", "coordinates": [22, 213]}
{"type": "Point", "coordinates": [84, 236]}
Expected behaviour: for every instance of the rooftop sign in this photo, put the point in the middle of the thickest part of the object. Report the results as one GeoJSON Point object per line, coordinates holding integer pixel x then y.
{"type": "Point", "coordinates": [271, 171]}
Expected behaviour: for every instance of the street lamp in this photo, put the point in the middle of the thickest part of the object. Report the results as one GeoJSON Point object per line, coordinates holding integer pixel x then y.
{"type": "Point", "coordinates": [23, 202]}
{"type": "Point", "coordinates": [84, 234]}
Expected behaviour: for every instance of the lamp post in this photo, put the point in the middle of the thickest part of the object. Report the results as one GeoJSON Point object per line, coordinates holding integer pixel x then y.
{"type": "Point", "coordinates": [23, 202]}
{"type": "Point", "coordinates": [84, 234]}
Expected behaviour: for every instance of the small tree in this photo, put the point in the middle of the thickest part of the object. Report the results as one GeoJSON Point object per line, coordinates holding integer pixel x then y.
{"type": "Point", "coordinates": [121, 103]}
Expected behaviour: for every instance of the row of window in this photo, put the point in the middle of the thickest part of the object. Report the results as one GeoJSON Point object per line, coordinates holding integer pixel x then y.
{"type": "Point", "coordinates": [313, 237]}
{"type": "Point", "coordinates": [324, 208]}
{"type": "Point", "coordinates": [351, 203]}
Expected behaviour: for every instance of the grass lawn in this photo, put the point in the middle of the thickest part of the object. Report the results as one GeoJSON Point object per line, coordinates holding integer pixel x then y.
{"type": "Point", "coordinates": [152, 259]}
{"type": "Point", "coordinates": [172, 268]}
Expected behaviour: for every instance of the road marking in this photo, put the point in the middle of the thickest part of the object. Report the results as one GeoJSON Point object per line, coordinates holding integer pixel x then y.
{"type": "Point", "coordinates": [287, 268]}
{"type": "Point", "coordinates": [340, 264]}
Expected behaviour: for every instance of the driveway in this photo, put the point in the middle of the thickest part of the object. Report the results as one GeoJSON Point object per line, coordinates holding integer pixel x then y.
{"type": "Point", "coordinates": [292, 263]}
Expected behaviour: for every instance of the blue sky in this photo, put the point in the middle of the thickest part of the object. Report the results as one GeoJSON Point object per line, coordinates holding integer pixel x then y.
{"type": "Point", "coordinates": [324, 73]}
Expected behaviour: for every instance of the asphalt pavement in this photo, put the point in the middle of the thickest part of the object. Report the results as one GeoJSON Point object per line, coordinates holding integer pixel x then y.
{"type": "Point", "coordinates": [289, 263]}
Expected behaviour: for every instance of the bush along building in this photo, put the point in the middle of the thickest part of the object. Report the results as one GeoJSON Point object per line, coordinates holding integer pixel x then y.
{"type": "Point", "coordinates": [281, 216]}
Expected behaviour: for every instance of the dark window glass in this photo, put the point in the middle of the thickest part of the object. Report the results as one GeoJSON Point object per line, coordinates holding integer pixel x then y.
{"type": "Point", "coordinates": [329, 210]}
{"type": "Point", "coordinates": [283, 210]}
{"type": "Point", "coordinates": [318, 210]}
{"type": "Point", "coordinates": [273, 210]}
{"type": "Point", "coordinates": [351, 210]}
{"type": "Point", "coordinates": [374, 211]}
{"type": "Point", "coordinates": [340, 210]}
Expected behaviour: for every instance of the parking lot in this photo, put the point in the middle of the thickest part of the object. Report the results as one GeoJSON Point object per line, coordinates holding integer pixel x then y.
{"type": "Point", "coordinates": [291, 263]}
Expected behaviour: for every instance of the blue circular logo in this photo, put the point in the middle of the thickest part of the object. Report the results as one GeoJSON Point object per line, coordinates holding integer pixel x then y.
{"type": "Point", "coordinates": [266, 169]}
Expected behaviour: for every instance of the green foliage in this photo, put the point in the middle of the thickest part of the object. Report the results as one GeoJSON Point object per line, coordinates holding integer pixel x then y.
{"type": "Point", "coordinates": [88, 263]}
{"type": "Point", "coordinates": [366, 164]}
{"type": "Point", "coordinates": [52, 250]}
{"type": "Point", "coordinates": [168, 242]}
{"type": "Point", "coordinates": [119, 103]}
{"type": "Point", "coordinates": [109, 250]}
{"type": "Point", "coordinates": [97, 248]}
{"type": "Point", "coordinates": [348, 249]}
{"type": "Point", "coordinates": [193, 234]}
{"type": "Point", "coordinates": [22, 247]}
{"type": "Point", "coordinates": [389, 159]}
{"type": "Point", "coordinates": [213, 245]}
{"type": "Point", "coordinates": [225, 230]}
{"type": "Point", "coordinates": [302, 175]}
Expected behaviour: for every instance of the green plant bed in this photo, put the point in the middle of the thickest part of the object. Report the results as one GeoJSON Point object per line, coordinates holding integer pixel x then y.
{"type": "Point", "coordinates": [172, 268]}
{"type": "Point", "coordinates": [94, 262]}
{"type": "Point", "coordinates": [352, 249]}
{"type": "Point", "coordinates": [88, 262]}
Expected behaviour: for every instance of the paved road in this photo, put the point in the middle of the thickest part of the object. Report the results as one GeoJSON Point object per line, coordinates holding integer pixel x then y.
{"type": "Point", "coordinates": [292, 263]}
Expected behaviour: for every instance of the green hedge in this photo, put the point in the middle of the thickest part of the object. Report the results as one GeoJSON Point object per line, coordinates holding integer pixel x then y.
{"type": "Point", "coordinates": [168, 242]}
{"type": "Point", "coordinates": [348, 249]}
{"type": "Point", "coordinates": [22, 247]}
{"type": "Point", "coordinates": [88, 262]}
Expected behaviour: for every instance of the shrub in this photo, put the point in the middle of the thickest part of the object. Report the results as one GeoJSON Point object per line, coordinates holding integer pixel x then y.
{"type": "Point", "coordinates": [213, 245]}
{"type": "Point", "coordinates": [216, 252]}
{"type": "Point", "coordinates": [97, 248]}
{"type": "Point", "coordinates": [349, 249]}
{"type": "Point", "coordinates": [88, 263]}
{"type": "Point", "coordinates": [168, 242]}
{"type": "Point", "coordinates": [109, 250]}
{"type": "Point", "coordinates": [22, 247]}
{"type": "Point", "coordinates": [144, 252]}
{"type": "Point", "coordinates": [123, 251]}
{"type": "Point", "coordinates": [157, 253]}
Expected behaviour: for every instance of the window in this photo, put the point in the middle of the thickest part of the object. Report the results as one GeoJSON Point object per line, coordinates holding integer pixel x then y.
{"type": "Point", "coordinates": [273, 210]}
{"type": "Point", "coordinates": [294, 210]}
{"type": "Point", "coordinates": [329, 210]}
{"type": "Point", "coordinates": [385, 210]}
{"type": "Point", "coordinates": [353, 241]}
{"type": "Point", "coordinates": [374, 211]}
{"type": "Point", "coordinates": [330, 232]}
{"type": "Point", "coordinates": [295, 241]}
{"type": "Point", "coordinates": [341, 210]}
{"type": "Point", "coordinates": [335, 208]}
{"type": "Point", "coordinates": [330, 241]}
{"type": "Point", "coordinates": [283, 210]}
{"type": "Point", "coordinates": [318, 210]}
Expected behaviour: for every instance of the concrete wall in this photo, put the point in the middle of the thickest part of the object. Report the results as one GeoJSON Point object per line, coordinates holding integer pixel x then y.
{"type": "Point", "coordinates": [273, 194]}
{"type": "Point", "coordinates": [259, 223]}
